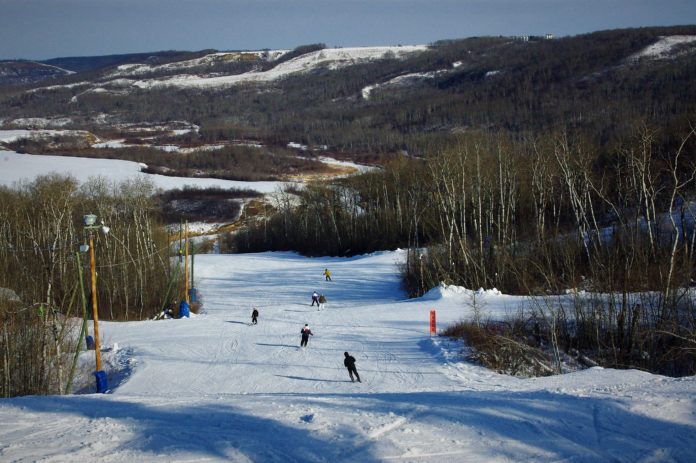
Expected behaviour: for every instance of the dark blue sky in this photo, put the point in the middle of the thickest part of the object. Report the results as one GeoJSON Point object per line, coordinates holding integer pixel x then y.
{"type": "Point", "coordinates": [41, 29]}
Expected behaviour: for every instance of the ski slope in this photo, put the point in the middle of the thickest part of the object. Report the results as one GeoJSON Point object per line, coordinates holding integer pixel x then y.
{"type": "Point", "coordinates": [214, 388]}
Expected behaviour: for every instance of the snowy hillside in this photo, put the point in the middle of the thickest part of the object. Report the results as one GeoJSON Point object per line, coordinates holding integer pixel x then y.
{"type": "Point", "coordinates": [188, 72]}
{"type": "Point", "coordinates": [665, 47]}
{"type": "Point", "coordinates": [27, 72]}
{"type": "Point", "coordinates": [214, 388]}
{"type": "Point", "coordinates": [207, 60]}
{"type": "Point", "coordinates": [331, 58]}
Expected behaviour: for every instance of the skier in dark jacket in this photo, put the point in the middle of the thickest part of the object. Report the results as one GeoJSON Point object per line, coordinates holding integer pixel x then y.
{"type": "Point", "coordinates": [306, 333]}
{"type": "Point", "coordinates": [254, 317]}
{"type": "Point", "coordinates": [349, 362]}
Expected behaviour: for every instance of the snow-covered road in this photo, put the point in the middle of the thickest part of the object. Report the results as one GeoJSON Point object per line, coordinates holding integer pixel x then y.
{"type": "Point", "coordinates": [214, 388]}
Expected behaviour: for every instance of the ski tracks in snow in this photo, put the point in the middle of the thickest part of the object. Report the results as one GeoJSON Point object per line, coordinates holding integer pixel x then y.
{"type": "Point", "coordinates": [215, 388]}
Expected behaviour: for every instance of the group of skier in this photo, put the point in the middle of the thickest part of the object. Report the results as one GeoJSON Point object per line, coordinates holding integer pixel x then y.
{"type": "Point", "coordinates": [318, 299]}
{"type": "Point", "coordinates": [348, 361]}
{"type": "Point", "coordinates": [306, 332]}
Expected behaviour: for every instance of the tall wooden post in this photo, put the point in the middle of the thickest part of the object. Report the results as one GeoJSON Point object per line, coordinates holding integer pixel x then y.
{"type": "Point", "coordinates": [186, 266]}
{"type": "Point", "coordinates": [95, 312]}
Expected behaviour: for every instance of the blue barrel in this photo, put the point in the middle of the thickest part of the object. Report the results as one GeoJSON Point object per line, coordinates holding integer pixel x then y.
{"type": "Point", "coordinates": [90, 343]}
{"type": "Point", "coordinates": [102, 385]}
{"type": "Point", "coordinates": [193, 294]}
{"type": "Point", "coordinates": [184, 310]}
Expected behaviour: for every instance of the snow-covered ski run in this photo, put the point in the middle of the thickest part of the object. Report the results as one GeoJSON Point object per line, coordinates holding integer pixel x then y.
{"type": "Point", "coordinates": [215, 388]}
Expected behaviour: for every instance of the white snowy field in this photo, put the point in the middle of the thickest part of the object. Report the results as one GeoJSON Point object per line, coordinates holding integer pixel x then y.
{"type": "Point", "coordinates": [16, 167]}
{"type": "Point", "coordinates": [214, 388]}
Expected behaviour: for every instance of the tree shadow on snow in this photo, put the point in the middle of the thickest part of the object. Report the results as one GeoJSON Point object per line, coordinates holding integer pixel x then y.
{"type": "Point", "coordinates": [522, 426]}
{"type": "Point", "coordinates": [209, 431]}
{"type": "Point", "coordinates": [493, 425]}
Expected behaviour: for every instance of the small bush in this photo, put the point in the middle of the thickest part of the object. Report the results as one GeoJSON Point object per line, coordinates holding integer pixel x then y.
{"type": "Point", "coordinates": [493, 346]}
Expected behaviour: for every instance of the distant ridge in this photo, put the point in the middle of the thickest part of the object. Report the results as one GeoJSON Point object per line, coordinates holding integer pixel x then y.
{"type": "Point", "coordinates": [93, 63]}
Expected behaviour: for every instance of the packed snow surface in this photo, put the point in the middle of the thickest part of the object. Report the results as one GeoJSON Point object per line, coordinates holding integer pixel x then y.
{"type": "Point", "coordinates": [215, 388]}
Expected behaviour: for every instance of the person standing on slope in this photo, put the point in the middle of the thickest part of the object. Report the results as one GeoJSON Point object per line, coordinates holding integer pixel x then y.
{"type": "Point", "coordinates": [327, 274]}
{"type": "Point", "coordinates": [254, 317]}
{"type": "Point", "coordinates": [306, 333]}
{"type": "Point", "coordinates": [349, 362]}
{"type": "Point", "coordinates": [315, 298]}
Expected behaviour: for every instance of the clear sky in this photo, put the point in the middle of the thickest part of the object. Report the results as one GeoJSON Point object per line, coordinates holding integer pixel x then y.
{"type": "Point", "coordinates": [41, 29]}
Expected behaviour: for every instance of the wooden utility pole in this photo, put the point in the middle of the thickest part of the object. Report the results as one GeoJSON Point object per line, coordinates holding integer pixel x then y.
{"type": "Point", "coordinates": [95, 312]}
{"type": "Point", "coordinates": [186, 266]}
{"type": "Point", "coordinates": [193, 263]}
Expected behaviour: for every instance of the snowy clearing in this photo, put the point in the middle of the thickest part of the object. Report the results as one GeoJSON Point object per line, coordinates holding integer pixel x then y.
{"type": "Point", "coordinates": [664, 47]}
{"type": "Point", "coordinates": [403, 80]}
{"type": "Point", "coordinates": [16, 167]}
{"type": "Point", "coordinates": [214, 388]}
{"type": "Point", "coordinates": [351, 165]}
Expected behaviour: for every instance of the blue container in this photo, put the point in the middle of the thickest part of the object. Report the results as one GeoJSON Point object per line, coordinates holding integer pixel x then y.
{"type": "Point", "coordinates": [193, 294]}
{"type": "Point", "coordinates": [102, 385]}
{"type": "Point", "coordinates": [184, 310]}
{"type": "Point", "coordinates": [90, 343]}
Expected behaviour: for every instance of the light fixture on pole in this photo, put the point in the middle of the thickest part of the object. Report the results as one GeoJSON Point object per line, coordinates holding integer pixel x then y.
{"type": "Point", "coordinates": [89, 221]}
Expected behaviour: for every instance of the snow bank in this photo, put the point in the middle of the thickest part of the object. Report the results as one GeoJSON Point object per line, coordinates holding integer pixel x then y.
{"type": "Point", "coordinates": [449, 291]}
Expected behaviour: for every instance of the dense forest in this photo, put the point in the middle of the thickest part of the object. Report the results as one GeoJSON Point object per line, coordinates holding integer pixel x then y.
{"type": "Point", "coordinates": [588, 83]}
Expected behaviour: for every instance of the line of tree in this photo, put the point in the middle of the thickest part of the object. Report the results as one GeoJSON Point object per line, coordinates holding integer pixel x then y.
{"type": "Point", "coordinates": [228, 162]}
{"type": "Point", "coordinates": [41, 303]}
{"type": "Point", "coordinates": [529, 216]}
